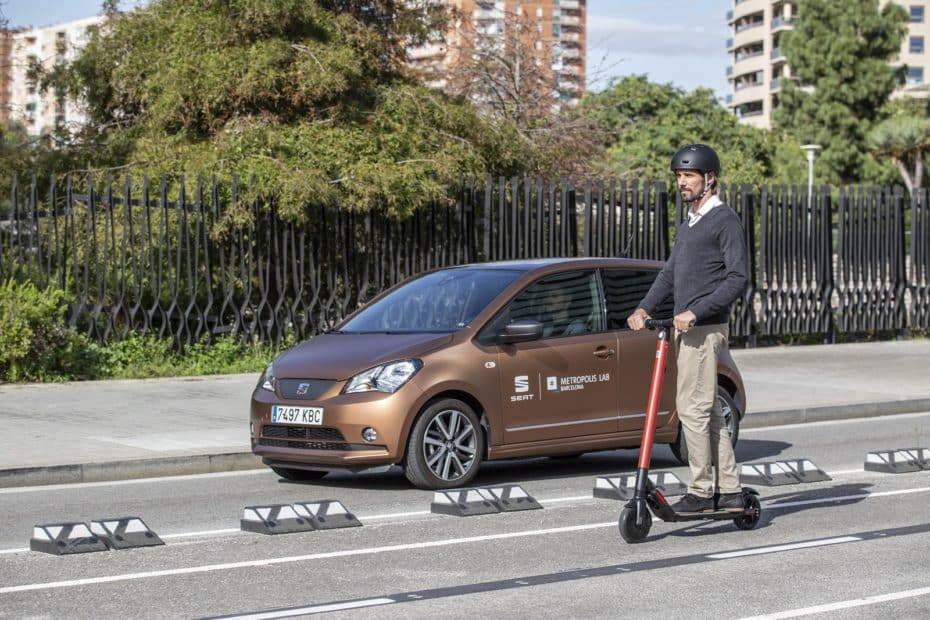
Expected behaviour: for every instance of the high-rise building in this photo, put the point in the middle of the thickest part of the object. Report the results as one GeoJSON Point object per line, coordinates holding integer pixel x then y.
{"type": "Point", "coordinates": [46, 47]}
{"type": "Point", "coordinates": [553, 29]}
{"type": "Point", "coordinates": [759, 65]}
{"type": "Point", "coordinates": [6, 75]}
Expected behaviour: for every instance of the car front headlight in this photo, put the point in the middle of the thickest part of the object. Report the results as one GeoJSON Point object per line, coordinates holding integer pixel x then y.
{"type": "Point", "coordinates": [384, 378]}
{"type": "Point", "coordinates": [267, 380]}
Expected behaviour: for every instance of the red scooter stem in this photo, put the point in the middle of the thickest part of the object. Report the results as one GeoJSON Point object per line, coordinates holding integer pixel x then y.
{"type": "Point", "coordinates": [655, 393]}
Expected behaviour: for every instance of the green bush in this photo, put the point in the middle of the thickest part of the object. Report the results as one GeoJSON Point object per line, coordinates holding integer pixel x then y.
{"type": "Point", "coordinates": [35, 343]}
{"type": "Point", "coordinates": [142, 356]}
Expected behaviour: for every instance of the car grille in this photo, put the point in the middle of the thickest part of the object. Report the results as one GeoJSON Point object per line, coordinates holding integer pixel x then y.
{"type": "Point", "coordinates": [283, 431]}
{"type": "Point", "coordinates": [304, 445]}
{"type": "Point", "coordinates": [303, 437]}
{"type": "Point", "coordinates": [312, 388]}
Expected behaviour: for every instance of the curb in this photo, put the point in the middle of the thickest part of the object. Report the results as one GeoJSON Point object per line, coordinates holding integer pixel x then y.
{"type": "Point", "coordinates": [236, 461]}
{"type": "Point", "coordinates": [129, 469]}
{"type": "Point", "coordinates": [835, 412]}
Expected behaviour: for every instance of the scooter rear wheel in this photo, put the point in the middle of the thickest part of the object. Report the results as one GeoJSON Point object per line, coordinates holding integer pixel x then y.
{"type": "Point", "coordinates": [629, 531]}
{"type": "Point", "coordinates": [754, 513]}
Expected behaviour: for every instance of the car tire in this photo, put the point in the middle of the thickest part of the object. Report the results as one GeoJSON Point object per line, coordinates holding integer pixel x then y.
{"type": "Point", "coordinates": [445, 446]}
{"type": "Point", "coordinates": [727, 404]}
{"type": "Point", "coordinates": [298, 475]}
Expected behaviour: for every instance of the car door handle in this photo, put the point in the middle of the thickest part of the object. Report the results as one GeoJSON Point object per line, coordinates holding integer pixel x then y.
{"type": "Point", "coordinates": [603, 353]}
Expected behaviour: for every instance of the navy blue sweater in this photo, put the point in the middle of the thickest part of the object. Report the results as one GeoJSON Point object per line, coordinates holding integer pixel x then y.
{"type": "Point", "coordinates": [707, 270]}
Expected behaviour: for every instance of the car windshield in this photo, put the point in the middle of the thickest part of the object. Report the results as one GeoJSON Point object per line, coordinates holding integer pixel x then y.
{"type": "Point", "coordinates": [442, 301]}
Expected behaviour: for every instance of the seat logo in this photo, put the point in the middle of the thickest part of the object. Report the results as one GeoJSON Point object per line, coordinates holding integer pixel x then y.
{"type": "Point", "coordinates": [521, 384]}
{"type": "Point", "coordinates": [303, 388]}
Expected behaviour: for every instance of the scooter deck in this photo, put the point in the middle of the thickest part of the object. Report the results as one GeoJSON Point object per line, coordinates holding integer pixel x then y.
{"type": "Point", "coordinates": [702, 516]}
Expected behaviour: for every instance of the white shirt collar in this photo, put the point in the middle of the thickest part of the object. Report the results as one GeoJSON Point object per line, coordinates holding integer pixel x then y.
{"type": "Point", "coordinates": [712, 202]}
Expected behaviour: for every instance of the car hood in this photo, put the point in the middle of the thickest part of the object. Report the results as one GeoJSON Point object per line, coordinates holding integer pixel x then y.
{"type": "Point", "coordinates": [341, 356]}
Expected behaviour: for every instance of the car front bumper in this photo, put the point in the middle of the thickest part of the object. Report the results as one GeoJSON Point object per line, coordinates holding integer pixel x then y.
{"type": "Point", "coordinates": [338, 442]}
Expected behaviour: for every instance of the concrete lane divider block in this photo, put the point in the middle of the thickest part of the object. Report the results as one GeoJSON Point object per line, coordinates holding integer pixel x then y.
{"type": "Point", "coordinates": [668, 483]}
{"type": "Point", "coordinates": [124, 533]}
{"type": "Point", "coordinates": [615, 487]}
{"type": "Point", "coordinates": [464, 502]}
{"type": "Point", "coordinates": [512, 497]}
{"type": "Point", "coordinates": [274, 519]}
{"type": "Point", "coordinates": [327, 514]}
{"type": "Point", "coordinates": [65, 539]}
{"type": "Point", "coordinates": [893, 461]}
{"type": "Point", "coordinates": [806, 471]}
{"type": "Point", "coordinates": [772, 473]}
{"type": "Point", "coordinates": [923, 457]}
{"type": "Point", "coordinates": [623, 486]}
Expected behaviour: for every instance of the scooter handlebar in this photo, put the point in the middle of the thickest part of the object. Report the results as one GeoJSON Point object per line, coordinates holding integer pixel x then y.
{"type": "Point", "coordinates": [658, 323]}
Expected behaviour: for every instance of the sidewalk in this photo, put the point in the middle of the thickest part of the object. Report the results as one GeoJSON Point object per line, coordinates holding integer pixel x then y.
{"type": "Point", "coordinates": [107, 430]}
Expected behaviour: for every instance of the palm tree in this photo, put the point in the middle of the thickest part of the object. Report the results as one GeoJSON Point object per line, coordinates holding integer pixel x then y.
{"type": "Point", "coordinates": [905, 139]}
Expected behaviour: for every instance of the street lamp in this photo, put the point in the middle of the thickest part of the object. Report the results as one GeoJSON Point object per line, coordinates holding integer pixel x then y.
{"type": "Point", "coordinates": [810, 149]}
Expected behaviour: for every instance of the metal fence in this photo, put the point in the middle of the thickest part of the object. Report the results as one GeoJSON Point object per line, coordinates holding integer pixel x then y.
{"type": "Point", "coordinates": [165, 258]}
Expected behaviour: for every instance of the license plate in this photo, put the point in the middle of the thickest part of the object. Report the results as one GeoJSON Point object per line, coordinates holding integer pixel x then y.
{"type": "Point", "coordinates": [308, 416]}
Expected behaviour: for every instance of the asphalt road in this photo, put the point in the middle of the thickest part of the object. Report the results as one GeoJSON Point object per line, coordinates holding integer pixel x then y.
{"type": "Point", "coordinates": [853, 547]}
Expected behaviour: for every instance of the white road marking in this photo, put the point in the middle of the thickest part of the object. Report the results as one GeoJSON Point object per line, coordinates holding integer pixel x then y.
{"type": "Point", "coordinates": [845, 421]}
{"type": "Point", "coordinates": [314, 609]}
{"type": "Point", "coordinates": [557, 500]}
{"type": "Point", "coordinates": [229, 530]}
{"type": "Point", "coordinates": [777, 548]}
{"type": "Point", "coordinates": [209, 568]}
{"type": "Point", "coordinates": [554, 500]}
{"type": "Point", "coordinates": [857, 602]}
{"type": "Point", "coordinates": [411, 546]}
{"type": "Point", "coordinates": [846, 472]}
{"type": "Point", "coordinates": [394, 515]}
{"type": "Point", "coordinates": [844, 498]}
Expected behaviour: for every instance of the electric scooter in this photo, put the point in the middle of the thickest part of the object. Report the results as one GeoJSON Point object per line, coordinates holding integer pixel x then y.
{"type": "Point", "coordinates": [635, 518]}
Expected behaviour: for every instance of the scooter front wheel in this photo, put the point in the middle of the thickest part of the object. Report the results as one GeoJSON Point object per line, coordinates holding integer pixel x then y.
{"type": "Point", "coordinates": [629, 531]}
{"type": "Point", "coordinates": [753, 513]}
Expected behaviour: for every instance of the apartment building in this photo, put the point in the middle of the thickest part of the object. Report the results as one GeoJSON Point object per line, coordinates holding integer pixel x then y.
{"type": "Point", "coordinates": [46, 46]}
{"type": "Point", "coordinates": [558, 40]}
{"type": "Point", "coordinates": [6, 65]}
{"type": "Point", "coordinates": [759, 67]}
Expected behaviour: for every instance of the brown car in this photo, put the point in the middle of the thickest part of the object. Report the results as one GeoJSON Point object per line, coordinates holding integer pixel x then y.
{"type": "Point", "coordinates": [479, 362]}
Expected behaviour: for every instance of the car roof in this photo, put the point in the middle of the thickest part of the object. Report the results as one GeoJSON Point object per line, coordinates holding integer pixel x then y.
{"type": "Point", "coordinates": [532, 264]}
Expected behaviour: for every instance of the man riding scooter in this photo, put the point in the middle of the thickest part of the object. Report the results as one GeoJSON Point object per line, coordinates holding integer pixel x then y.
{"type": "Point", "coordinates": [705, 274]}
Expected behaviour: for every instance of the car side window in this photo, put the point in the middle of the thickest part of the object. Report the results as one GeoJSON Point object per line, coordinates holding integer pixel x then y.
{"type": "Point", "coordinates": [624, 289]}
{"type": "Point", "coordinates": [567, 304]}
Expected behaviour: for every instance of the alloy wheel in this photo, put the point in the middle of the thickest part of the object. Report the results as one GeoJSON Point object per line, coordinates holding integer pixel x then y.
{"type": "Point", "coordinates": [450, 445]}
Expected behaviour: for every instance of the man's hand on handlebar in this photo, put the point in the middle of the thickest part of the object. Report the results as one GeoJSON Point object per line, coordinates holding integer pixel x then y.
{"type": "Point", "coordinates": [637, 320]}
{"type": "Point", "coordinates": [685, 321]}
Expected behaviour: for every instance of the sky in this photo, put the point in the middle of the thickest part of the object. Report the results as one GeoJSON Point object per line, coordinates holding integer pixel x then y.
{"type": "Point", "coordinates": [671, 41]}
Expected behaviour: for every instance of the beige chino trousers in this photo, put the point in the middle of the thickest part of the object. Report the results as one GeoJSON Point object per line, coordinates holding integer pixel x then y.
{"type": "Point", "coordinates": [702, 420]}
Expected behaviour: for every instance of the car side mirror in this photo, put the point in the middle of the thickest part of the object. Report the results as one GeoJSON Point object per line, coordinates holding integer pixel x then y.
{"type": "Point", "coordinates": [520, 331]}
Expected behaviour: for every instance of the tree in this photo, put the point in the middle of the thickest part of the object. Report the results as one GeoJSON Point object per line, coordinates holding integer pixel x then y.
{"type": "Point", "coordinates": [500, 71]}
{"type": "Point", "coordinates": [905, 139]}
{"type": "Point", "coordinates": [308, 97]}
{"type": "Point", "coordinates": [508, 74]}
{"type": "Point", "coordinates": [839, 55]}
{"type": "Point", "coordinates": [644, 124]}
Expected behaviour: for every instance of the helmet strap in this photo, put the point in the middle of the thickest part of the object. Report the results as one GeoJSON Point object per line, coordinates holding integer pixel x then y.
{"type": "Point", "coordinates": [707, 187]}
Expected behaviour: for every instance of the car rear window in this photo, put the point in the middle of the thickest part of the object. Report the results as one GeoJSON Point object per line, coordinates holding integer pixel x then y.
{"type": "Point", "coordinates": [446, 300]}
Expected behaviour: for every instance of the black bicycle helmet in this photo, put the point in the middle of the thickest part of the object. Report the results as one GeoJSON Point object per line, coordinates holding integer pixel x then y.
{"type": "Point", "coordinates": [698, 157]}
